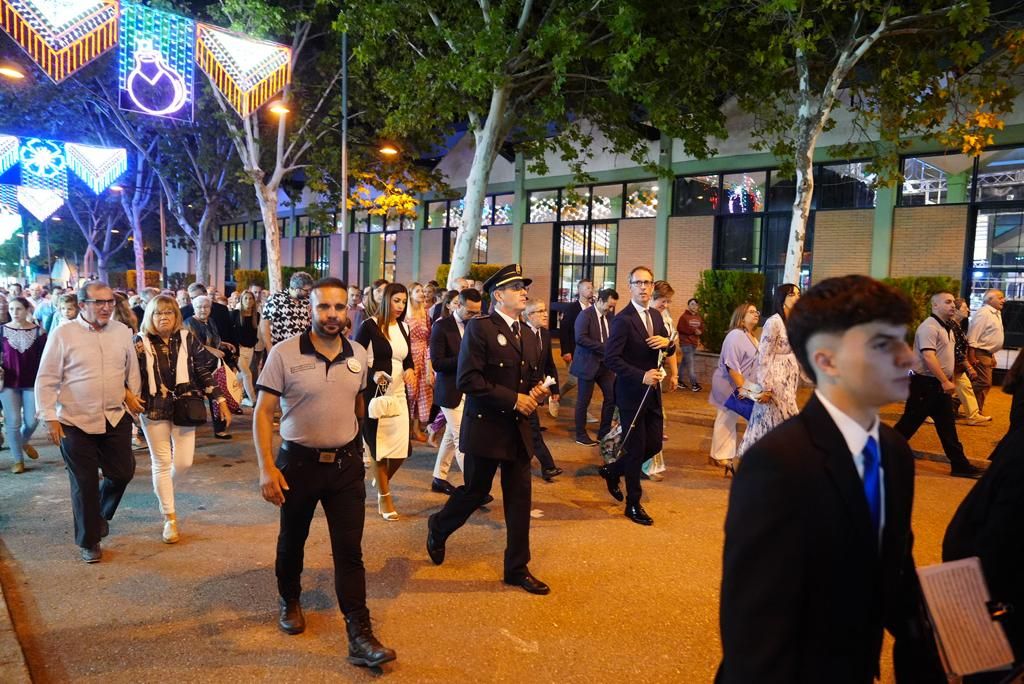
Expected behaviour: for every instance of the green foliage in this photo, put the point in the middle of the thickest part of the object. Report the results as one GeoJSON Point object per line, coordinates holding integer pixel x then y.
{"type": "Point", "coordinates": [479, 272]}
{"type": "Point", "coordinates": [919, 290]}
{"type": "Point", "coordinates": [126, 279]}
{"type": "Point", "coordinates": [245, 277]}
{"type": "Point", "coordinates": [180, 281]}
{"type": "Point", "coordinates": [719, 293]}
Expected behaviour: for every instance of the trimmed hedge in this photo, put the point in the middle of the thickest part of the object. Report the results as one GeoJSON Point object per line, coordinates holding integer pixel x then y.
{"type": "Point", "coordinates": [719, 293]}
{"type": "Point", "coordinates": [479, 272]}
{"type": "Point", "coordinates": [920, 289]}
{"type": "Point", "coordinates": [246, 277]}
{"type": "Point", "coordinates": [125, 280]}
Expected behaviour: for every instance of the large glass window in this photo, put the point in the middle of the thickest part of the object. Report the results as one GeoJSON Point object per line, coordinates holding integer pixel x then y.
{"type": "Point", "coordinates": [744, 192]}
{"type": "Point", "coordinates": [696, 196]}
{"type": "Point", "coordinates": [318, 255]}
{"type": "Point", "coordinates": [642, 199]}
{"type": "Point", "coordinates": [843, 186]}
{"type": "Point", "coordinates": [606, 202]}
{"type": "Point", "coordinates": [1001, 175]}
{"type": "Point", "coordinates": [479, 254]}
{"type": "Point", "coordinates": [232, 260]}
{"type": "Point", "coordinates": [544, 206]}
{"type": "Point", "coordinates": [936, 179]}
{"type": "Point", "coordinates": [586, 250]}
{"type": "Point", "coordinates": [503, 205]}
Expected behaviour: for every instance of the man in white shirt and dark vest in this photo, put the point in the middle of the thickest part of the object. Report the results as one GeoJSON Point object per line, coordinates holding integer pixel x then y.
{"type": "Point", "coordinates": [88, 380]}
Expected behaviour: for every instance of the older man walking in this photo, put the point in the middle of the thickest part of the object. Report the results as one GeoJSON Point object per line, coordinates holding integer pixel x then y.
{"type": "Point", "coordinates": [984, 339]}
{"type": "Point", "coordinates": [88, 377]}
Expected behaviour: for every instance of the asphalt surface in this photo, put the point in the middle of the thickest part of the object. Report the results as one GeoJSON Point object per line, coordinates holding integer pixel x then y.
{"type": "Point", "coordinates": [627, 602]}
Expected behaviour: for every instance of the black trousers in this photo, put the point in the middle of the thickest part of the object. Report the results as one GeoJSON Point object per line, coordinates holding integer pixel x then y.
{"type": "Point", "coordinates": [928, 400]}
{"type": "Point", "coordinates": [643, 443]}
{"type": "Point", "coordinates": [339, 488]}
{"type": "Point", "coordinates": [540, 449]}
{"type": "Point", "coordinates": [219, 424]}
{"type": "Point", "coordinates": [515, 492]}
{"type": "Point", "coordinates": [604, 379]}
{"type": "Point", "coordinates": [84, 456]}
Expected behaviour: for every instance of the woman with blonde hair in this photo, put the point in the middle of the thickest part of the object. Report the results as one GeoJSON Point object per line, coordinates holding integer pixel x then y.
{"type": "Point", "coordinates": [419, 335]}
{"type": "Point", "coordinates": [173, 363]}
{"type": "Point", "coordinates": [733, 382]}
{"type": "Point", "coordinates": [391, 372]}
{"type": "Point", "coordinates": [247, 324]}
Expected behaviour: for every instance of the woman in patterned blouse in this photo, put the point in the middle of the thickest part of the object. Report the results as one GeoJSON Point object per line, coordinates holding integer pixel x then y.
{"type": "Point", "coordinates": [22, 346]}
{"type": "Point", "coordinates": [172, 361]}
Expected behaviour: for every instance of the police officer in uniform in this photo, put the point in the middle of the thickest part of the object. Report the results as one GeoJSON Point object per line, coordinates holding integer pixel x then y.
{"type": "Point", "coordinates": [316, 378]}
{"type": "Point", "coordinates": [498, 360]}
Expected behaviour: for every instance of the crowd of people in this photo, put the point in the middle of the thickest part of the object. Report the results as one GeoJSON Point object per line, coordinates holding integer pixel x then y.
{"type": "Point", "coordinates": [353, 378]}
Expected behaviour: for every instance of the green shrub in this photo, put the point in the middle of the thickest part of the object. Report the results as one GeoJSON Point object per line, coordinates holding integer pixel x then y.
{"type": "Point", "coordinates": [920, 289]}
{"type": "Point", "coordinates": [719, 293]}
{"type": "Point", "coordinates": [479, 272]}
{"type": "Point", "coordinates": [246, 277]}
{"type": "Point", "coordinates": [152, 278]}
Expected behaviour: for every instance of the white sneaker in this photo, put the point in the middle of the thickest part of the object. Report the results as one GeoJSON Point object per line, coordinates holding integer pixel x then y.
{"type": "Point", "coordinates": [170, 535]}
{"type": "Point", "coordinates": [590, 418]}
{"type": "Point", "coordinates": [553, 407]}
{"type": "Point", "coordinates": [979, 420]}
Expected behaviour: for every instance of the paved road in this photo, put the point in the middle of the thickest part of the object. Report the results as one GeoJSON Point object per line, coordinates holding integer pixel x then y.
{"type": "Point", "coordinates": [627, 601]}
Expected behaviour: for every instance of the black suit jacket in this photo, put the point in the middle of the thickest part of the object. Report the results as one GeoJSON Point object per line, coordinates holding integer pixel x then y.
{"type": "Point", "coordinates": [546, 366]}
{"type": "Point", "coordinates": [989, 524]}
{"type": "Point", "coordinates": [806, 587]}
{"type": "Point", "coordinates": [566, 327]}
{"type": "Point", "coordinates": [445, 342]}
{"type": "Point", "coordinates": [588, 357]}
{"type": "Point", "coordinates": [627, 355]}
{"type": "Point", "coordinates": [493, 370]}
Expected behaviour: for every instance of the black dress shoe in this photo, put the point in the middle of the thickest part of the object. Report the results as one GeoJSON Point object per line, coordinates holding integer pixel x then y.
{"type": "Point", "coordinates": [587, 441]}
{"type": "Point", "coordinates": [549, 473]}
{"type": "Point", "coordinates": [442, 486]}
{"type": "Point", "coordinates": [637, 514]}
{"type": "Point", "coordinates": [969, 472]}
{"type": "Point", "coordinates": [529, 583]}
{"type": "Point", "coordinates": [612, 482]}
{"type": "Point", "coordinates": [291, 620]}
{"type": "Point", "coordinates": [487, 499]}
{"type": "Point", "coordinates": [104, 528]}
{"type": "Point", "coordinates": [435, 543]}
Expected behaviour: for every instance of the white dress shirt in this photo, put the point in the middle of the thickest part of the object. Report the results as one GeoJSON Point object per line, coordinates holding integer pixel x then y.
{"type": "Point", "coordinates": [985, 331]}
{"type": "Point", "coordinates": [83, 374]}
{"type": "Point", "coordinates": [856, 439]}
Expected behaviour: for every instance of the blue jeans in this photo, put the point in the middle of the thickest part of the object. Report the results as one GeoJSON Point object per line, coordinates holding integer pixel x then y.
{"type": "Point", "coordinates": [686, 365]}
{"type": "Point", "coordinates": [20, 416]}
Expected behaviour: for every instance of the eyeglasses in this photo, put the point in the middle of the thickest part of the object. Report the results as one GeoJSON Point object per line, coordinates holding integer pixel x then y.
{"type": "Point", "coordinates": [99, 302]}
{"type": "Point", "coordinates": [517, 287]}
{"type": "Point", "coordinates": [162, 314]}
{"type": "Point", "coordinates": [642, 283]}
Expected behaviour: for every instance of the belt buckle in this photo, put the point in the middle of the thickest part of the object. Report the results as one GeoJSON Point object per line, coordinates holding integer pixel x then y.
{"type": "Point", "coordinates": [328, 456]}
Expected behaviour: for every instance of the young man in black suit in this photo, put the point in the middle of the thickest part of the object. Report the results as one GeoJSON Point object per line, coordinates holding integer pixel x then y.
{"type": "Point", "coordinates": [567, 326]}
{"type": "Point", "coordinates": [536, 315]}
{"type": "Point", "coordinates": [817, 537]}
{"type": "Point", "coordinates": [588, 365]}
{"type": "Point", "coordinates": [445, 341]}
{"type": "Point", "coordinates": [498, 361]}
{"type": "Point", "coordinates": [633, 352]}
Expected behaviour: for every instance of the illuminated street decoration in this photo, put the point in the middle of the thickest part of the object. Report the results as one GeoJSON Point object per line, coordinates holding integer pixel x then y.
{"type": "Point", "coordinates": [156, 65]}
{"type": "Point", "coordinates": [98, 167]}
{"type": "Point", "coordinates": [248, 72]}
{"type": "Point", "coordinates": [41, 202]}
{"type": "Point", "coordinates": [10, 217]}
{"type": "Point", "coordinates": [43, 165]}
{"type": "Point", "coordinates": [8, 152]}
{"type": "Point", "coordinates": [61, 36]}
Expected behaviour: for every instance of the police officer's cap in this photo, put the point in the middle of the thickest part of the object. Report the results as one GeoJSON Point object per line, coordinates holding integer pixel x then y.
{"type": "Point", "coordinates": [505, 276]}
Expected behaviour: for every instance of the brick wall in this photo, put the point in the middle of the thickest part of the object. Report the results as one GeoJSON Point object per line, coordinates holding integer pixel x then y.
{"type": "Point", "coordinates": [690, 244]}
{"type": "Point", "coordinates": [928, 241]}
{"type": "Point", "coordinates": [430, 253]}
{"type": "Point", "coordinates": [537, 258]}
{"type": "Point", "coordinates": [499, 245]}
{"type": "Point", "coordinates": [842, 243]}
{"type": "Point", "coordinates": [636, 248]}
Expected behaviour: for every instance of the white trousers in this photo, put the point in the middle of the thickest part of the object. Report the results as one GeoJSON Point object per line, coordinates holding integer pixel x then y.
{"type": "Point", "coordinates": [723, 438]}
{"type": "Point", "coordinates": [965, 391]}
{"type": "Point", "coordinates": [171, 448]}
{"type": "Point", "coordinates": [449, 448]}
{"type": "Point", "coordinates": [245, 370]}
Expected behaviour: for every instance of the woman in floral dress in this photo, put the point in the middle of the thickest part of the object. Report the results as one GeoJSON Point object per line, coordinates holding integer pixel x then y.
{"type": "Point", "coordinates": [419, 337]}
{"type": "Point", "coordinates": [775, 369]}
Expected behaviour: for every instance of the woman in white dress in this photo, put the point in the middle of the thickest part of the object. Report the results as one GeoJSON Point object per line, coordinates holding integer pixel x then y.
{"type": "Point", "coordinates": [386, 338]}
{"type": "Point", "coordinates": [776, 370]}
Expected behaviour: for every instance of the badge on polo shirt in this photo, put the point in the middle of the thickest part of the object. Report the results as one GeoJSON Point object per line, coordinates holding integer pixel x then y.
{"type": "Point", "coordinates": [353, 364]}
{"type": "Point", "coordinates": [501, 340]}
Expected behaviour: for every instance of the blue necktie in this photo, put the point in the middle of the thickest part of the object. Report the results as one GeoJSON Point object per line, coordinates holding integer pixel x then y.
{"type": "Point", "coordinates": [872, 485]}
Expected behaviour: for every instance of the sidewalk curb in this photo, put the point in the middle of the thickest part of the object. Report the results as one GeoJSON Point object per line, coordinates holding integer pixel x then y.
{"type": "Point", "coordinates": [13, 668]}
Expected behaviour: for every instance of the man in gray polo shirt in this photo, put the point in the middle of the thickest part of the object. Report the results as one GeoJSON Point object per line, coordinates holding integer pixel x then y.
{"type": "Point", "coordinates": [932, 385]}
{"type": "Point", "coordinates": [316, 378]}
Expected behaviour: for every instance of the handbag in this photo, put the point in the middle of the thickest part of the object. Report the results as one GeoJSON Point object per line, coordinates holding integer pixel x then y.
{"type": "Point", "coordinates": [189, 410]}
{"type": "Point", "coordinates": [743, 406]}
{"type": "Point", "coordinates": [384, 405]}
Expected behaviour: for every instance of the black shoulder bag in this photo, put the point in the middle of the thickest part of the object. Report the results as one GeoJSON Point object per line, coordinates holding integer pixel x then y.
{"type": "Point", "coordinates": [188, 408]}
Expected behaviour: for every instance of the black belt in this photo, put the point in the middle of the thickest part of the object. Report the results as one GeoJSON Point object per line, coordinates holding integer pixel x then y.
{"type": "Point", "coordinates": [353, 448]}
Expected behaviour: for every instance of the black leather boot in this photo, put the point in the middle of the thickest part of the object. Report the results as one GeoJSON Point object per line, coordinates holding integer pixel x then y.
{"type": "Point", "coordinates": [291, 620]}
{"type": "Point", "coordinates": [363, 647]}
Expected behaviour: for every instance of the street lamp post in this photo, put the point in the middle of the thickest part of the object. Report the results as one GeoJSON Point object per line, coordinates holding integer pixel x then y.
{"type": "Point", "coordinates": [344, 157]}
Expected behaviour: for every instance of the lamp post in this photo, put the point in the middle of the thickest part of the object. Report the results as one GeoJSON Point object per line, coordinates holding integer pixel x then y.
{"type": "Point", "coordinates": [344, 157]}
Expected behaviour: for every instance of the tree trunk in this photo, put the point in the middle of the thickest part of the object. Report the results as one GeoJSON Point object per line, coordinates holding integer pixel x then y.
{"type": "Point", "coordinates": [204, 246]}
{"type": "Point", "coordinates": [487, 138]}
{"type": "Point", "coordinates": [140, 254]}
{"type": "Point", "coordinates": [806, 140]}
{"type": "Point", "coordinates": [87, 261]}
{"type": "Point", "coordinates": [268, 209]}
{"type": "Point", "coordinates": [101, 267]}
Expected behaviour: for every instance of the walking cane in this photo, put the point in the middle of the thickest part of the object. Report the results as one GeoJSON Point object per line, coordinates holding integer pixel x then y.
{"type": "Point", "coordinates": [643, 400]}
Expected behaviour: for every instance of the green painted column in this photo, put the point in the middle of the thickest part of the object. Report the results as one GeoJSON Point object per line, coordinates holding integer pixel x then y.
{"type": "Point", "coordinates": [665, 185]}
{"type": "Point", "coordinates": [417, 235]}
{"type": "Point", "coordinates": [374, 256]}
{"type": "Point", "coordinates": [881, 233]}
{"type": "Point", "coordinates": [519, 209]}
{"type": "Point", "coordinates": [956, 186]}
